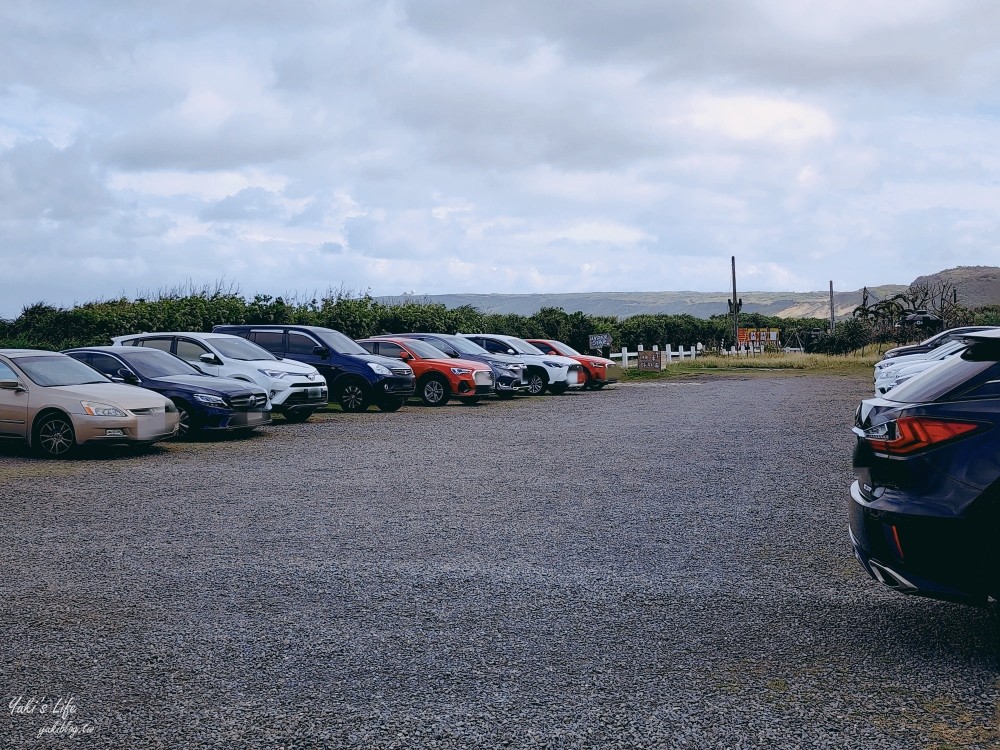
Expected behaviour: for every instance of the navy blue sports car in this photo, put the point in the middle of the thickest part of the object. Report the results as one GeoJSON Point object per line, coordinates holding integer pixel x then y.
{"type": "Point", "coordinates": [205, 402]}
{"type": "Point", "coordinates": [925, 509]}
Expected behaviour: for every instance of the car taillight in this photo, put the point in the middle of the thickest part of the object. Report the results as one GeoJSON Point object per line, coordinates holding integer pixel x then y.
{"type": "Point", "coordinates": [910, 434]}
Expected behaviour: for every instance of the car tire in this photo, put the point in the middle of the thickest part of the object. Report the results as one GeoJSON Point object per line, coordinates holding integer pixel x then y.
{"type": "Point", "coordinates": [597, 386]}
{"type": "Point", "coordinates": [54, 436]}
{"type": "Point", "coordinates": [536, 383]}
{"type": "Point", "coordinates": [354, 397]}
{"type": "Point", "coordinates": [470, 400]}
{"type": "Point", "coordinates": [295, 417]}
{"type": "Point", "coordinates": [434, 391]}
{"type": "Point", "coordinates": [588, 382]}
{"type": "Point", "coordinates": [391, 404]}
{"type": "Point", "coordinates": [558, 389]}
{"type": "Point", "coordinates": [185, 422]}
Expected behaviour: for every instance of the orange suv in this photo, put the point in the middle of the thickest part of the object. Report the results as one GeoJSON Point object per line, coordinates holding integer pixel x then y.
{"type": "Point", "coordinates": [439, 377]}
{"type": "Point", "coordinates": [598, 371]}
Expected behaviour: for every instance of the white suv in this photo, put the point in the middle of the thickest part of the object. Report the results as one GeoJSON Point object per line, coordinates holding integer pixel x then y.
{"type": "Point", "coordinates": [550, 372]}
{"type": "Point", "coordinates": [296, 390]}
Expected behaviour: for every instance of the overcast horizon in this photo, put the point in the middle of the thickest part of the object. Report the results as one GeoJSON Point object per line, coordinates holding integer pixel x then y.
{"type": "Point", "coordinates": [438, 147]}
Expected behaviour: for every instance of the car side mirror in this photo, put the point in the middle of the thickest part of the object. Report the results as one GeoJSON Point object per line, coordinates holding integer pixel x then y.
{"type": "Point", "coordinates": [209, 359]}
{"type": "Point", "coordinates": [405, 356]}
{"type": "Point", "coordinates": [10, 385]}
{"type": "Point", "coordinates": [511, 351]}
{"type": "Point", "coordinates": [321, 351]}
{"type": "Point", "coordinates": [126, 376]}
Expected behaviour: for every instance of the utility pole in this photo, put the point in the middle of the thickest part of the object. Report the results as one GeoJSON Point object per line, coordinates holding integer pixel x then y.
{"type": "Point", "coordinates": [735, 304]}
{"type": "Point", "coordinates": [832, 316]}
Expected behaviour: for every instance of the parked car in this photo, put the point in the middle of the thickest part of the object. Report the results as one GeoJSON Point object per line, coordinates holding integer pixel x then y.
{"type": "Point", "coordinates": [295, 390]}
{"type": "Point", "coordinates": [901, 369]}
{"type": "Point", "coordinates": [934, 341]}
{"type": "Point", "coordinates": [509, 373]}
{"type": "Point", "coordinates": [439, 377]}
{"type": "Point", "coordinates": [925, 509]}
{"type": "Point", "coordinates": [356, 379]}
{"type": "Point", "coordinates": [546, 372]}
{"type": "Point", "coordinates": [597, 371]}
{"type": "Point", "coordinates": [55, 404]}
{"type": "Point", "coordinates": [204, 403]}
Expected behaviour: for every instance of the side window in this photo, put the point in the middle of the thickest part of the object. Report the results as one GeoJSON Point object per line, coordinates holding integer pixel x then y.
{"type": "Point", "coordinates": [387, 349]}
{"type": "Point", "coordinates": [547, 348]}
{"type": "Point", "coordinates": [6, 373]}
{"type": "Point", "coordinates": [494, 346]}
{"type": "Point", "coordinates": [368, 345]}
{"type": "Point", "coordinates": [105, 363]}
{"type": "Point", "coordinates": [273, 341]}
{"type": "Point", "coordinates": [299, 343]}
{"type": "Point", "coordinates": [189, 350]}
{"type": "Point", "coordinates": [162, 344]}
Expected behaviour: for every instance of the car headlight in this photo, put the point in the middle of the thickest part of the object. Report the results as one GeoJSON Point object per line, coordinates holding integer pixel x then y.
{"type": "Point", "coordinates": [96, 409]}
{"type": "Point", "coordinates": [552, 364]}
{"type": "Point", "coordinates": [460, 370]}
{"type": "Point", "coordinates": [380, 369]}
{"type": "Point", "coordinates": [276, 374]}
{"type": "Point", "coordinates": [596, 364]}
{"type": "Point", "coordinates": [208, 399]}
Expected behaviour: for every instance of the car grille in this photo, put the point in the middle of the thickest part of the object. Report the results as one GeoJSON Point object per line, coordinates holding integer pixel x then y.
{"type": "Point", "coordinates": [244, 402]}
{"type": "Point", "coordinates": [151, 410]}
{"type": "Point", "coordinates": [400, 371]}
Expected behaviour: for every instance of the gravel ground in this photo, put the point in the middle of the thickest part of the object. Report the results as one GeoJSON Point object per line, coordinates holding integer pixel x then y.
{"type": "Point", "coordinates": [652, 565]}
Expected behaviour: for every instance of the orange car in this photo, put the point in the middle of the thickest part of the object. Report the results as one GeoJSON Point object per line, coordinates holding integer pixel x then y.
{"type": "Point", "coordinates": [439, 377]}
{"type": "Point", "coordinates": [599, 371]}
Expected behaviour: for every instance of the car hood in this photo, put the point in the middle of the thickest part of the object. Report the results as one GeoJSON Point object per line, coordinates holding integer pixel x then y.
{"type": "Point", "coordinates": [389, 362]}
{"type": "Point", "coordinates": [126, 396]}
{"type": "Point", "coordinates": [208, 383]}
{"type": "Point", "coordinates": [466, 363]}
{"type": "Point", "coordinates": [556, 358]}
{"type": "Point", "coordinates": [281, 365]}
{"type": "Point", "coordinates": [510, 359]}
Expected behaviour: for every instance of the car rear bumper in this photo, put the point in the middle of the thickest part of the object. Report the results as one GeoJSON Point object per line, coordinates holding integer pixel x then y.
{"type": "Point", "coordinates": [932, 556]}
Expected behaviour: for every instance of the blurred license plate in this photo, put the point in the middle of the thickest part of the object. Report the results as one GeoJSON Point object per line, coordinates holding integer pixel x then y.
{"type": "Point", "coordinates": [314, 392]}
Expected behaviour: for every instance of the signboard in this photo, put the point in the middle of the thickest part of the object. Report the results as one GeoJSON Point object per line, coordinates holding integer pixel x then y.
{"type": "Point", "coordinates": [649, 360]}
{"type": "Point", "coordinates": [600, 340]}
{"type": "Point", "coordinates": [759, 336]}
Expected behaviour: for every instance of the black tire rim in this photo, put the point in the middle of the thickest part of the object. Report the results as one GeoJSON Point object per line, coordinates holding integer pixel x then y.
{"type": "Point", "coordinates": [535, 384]}
{"type": "Point", "coordinates": [183, 422]}
{"type": "Point", "coordinates": [352, 398]}
{"type": "Point", "coordinates": [55, 437]}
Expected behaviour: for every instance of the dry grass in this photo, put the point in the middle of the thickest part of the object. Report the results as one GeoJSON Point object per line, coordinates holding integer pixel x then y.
{"type": "Point", "coordinates": [769, 364]}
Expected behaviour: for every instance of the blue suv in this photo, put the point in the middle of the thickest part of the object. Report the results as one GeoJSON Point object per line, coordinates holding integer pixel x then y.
{"type": "Point", "coordinates": [356, 379]}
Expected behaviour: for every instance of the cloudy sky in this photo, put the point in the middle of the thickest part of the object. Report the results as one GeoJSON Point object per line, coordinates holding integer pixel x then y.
{"type": "Point", "coordinates": [440, 146]}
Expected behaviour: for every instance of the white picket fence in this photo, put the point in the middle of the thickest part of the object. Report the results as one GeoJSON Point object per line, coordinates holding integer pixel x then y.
{"type": "Point", "coordinates": [631, 359]}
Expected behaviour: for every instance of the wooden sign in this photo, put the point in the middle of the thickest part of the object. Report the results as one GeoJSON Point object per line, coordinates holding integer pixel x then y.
{"type": "Point", "coordinates": [650, 360]}
{"type": "Point", "coordinates": [600, 340]}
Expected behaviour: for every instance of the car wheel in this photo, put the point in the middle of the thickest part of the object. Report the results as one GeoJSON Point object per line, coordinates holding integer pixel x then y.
{"type": "Point", "coordinates": [184, 425]}
{"type": "Point", "coordinates": [536, 383]}
{"type": "Point", "coordinates": [391, 404]}
{"type": "Point", "coordinates": [353, 397]}
{"type": "Point", "coordinates": [54, 436]}
{"type": "Point", "coordinates": [435, 391]}
{"type": "Point", "coordinates": [588, 382]}
{"type": "Point", "coordinates": [558, 388]}
{"type": "Point", "coordinates": [298, 416]}
{"type": "Point", "coordinates": [471, 400]}
{"type": "Point", "coordinates": [598, 386]}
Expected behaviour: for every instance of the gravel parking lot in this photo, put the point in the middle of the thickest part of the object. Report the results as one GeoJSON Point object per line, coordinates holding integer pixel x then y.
{"type": "Point", "coordinates": [652, 565]}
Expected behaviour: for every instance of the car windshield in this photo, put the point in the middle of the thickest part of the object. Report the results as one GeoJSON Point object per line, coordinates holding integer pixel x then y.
{"type": "Point", "coordinates": [48, 370]}
{"type": "Point", "coordinates": [464, 345]}
{"type": "Point", "coordinates": [238, 348]}
{"type": "Point", "coordinates": [521, 346]}
{"type": "Point", "coordinates": [152, 363]}
{"type": "Point", "coordinates": [947, 375]}
{"type": "Point", "coordinates": [424, 350]}
{"type": "Point", "coordinates": [338, 342]}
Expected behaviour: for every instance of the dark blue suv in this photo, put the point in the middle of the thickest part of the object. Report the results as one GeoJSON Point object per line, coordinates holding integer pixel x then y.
{"type": "Point", "coordinates": [356, 379]}
{"type": "Point", "coordinates": [925, 509]}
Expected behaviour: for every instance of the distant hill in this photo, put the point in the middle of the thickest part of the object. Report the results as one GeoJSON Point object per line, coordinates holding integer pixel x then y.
{"type": "Point", "coordinates": [976, 285]}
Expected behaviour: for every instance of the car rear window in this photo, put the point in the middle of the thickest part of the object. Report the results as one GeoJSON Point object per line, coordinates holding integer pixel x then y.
{"type": "Point", "coordinates": [949, 378]}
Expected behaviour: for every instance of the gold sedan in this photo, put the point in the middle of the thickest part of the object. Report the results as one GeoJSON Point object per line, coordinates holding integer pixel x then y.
{"type": "Point", "coordinates": [56, 403]}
